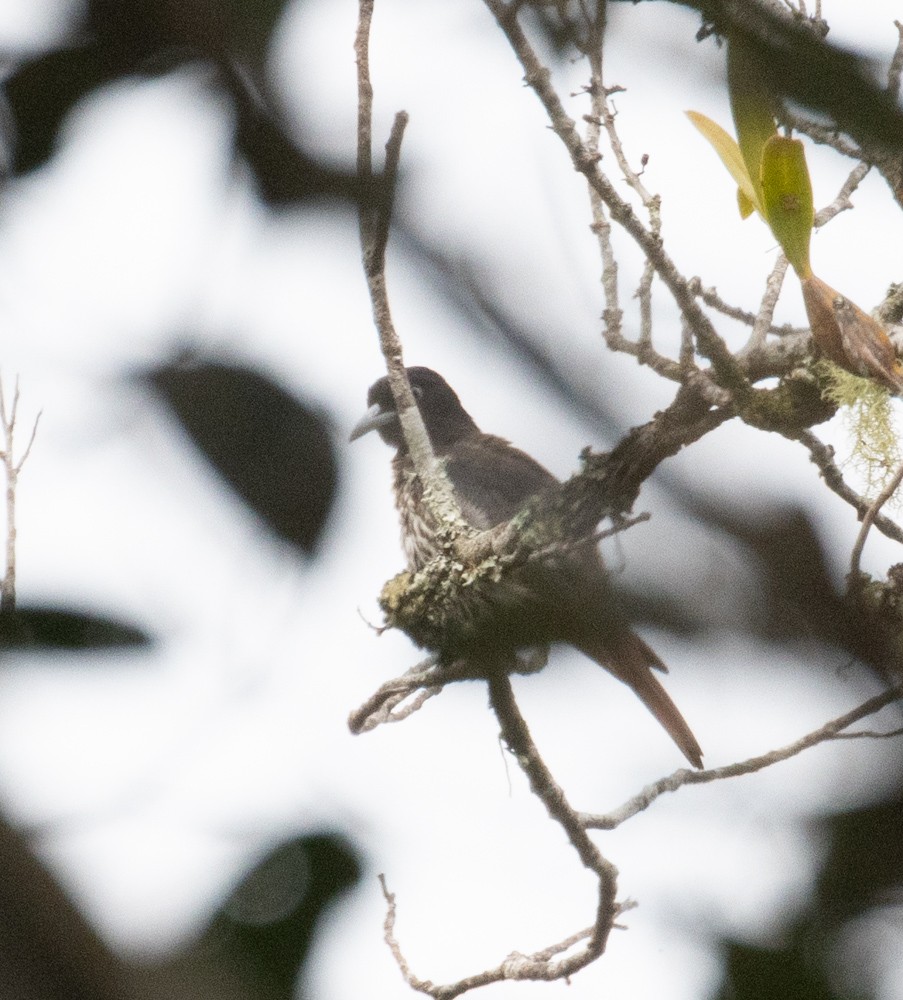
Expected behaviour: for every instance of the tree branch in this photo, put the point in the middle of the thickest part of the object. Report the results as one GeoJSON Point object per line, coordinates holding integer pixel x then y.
{"type": "Point", "coordinates": [823, 456]}
{"type": "Point", "coordinates": [544, 965]}
{"type": "Point", "coordinates": [374, 225]}
{"type": "Point", "coordinates": [537, 76]}
{"type": "Point", "coordinates": [868, 519]}
{"type": "Point", "coordinates": [12, 469]}
{"type": "Point", "coordinates": [830, 730]}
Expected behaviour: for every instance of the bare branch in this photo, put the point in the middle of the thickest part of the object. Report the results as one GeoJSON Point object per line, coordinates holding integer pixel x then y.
{"type": "Point", "coordinates": [537, 76]}
{"type": "Point", "coordinates": [711, 298]}
{"type": "Point", "coordinates": [589, 540]}
{"type": "Point", "coordinates": [426, 677]}
{"type": "Point", "coordinates": [422, 986]}
{"type": "Point", "coordinates": [868, 519]}
{"type": "Point", "coordinates": [374, 223]}
{"type": "Point", "coordinates": [642, 349]}
{"type": "Point", "coordinates": [601, 225]}
{"type": "Point", "coordinates": [869, 734]}
{"type": "Point", "coordinates": [387, 201]}
{"type": "Point", "coordinates": [822, 135]}
{"type": "Point", "coordinates": [830, 730]}
{"type": "Point", "coordinates": [12, 468]}
{"type": "Point", "coordinates": [842, 202]}
{"type": "Point", "coordinates": [823, 456]}
{"type": "Point", "coordinates": [763, 321]}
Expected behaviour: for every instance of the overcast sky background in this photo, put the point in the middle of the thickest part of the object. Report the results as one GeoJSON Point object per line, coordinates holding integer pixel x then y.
{"type": "Point", "coordinates": [153, 779]}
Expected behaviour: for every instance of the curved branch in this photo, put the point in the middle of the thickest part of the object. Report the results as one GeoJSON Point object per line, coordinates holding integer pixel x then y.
{"type": "Point", "coordinates": [822, 455]}
{"type": "Point", "coordinates": [374, 224]}
{"type": "Point", "coordinates": [545, 965]}
{"type": "Point", "coordinates": [829, 731]}
{"type": "Point", "coordinates": [727, 371]}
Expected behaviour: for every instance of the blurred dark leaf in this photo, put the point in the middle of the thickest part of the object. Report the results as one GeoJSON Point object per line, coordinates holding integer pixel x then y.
{"type": "Point", "coordinates": [797, 62]}
{"type": "Point", "coordinates": [798, 596]}
{"type": "Point", "coordinates": [48, 951]}
{"type": "Point", "coordinates": [141, 29]}
{"type": "Point", "coordinates": [670, 614]}
{"type": "Point", "coordinates": [284, 173]}
{"type": "Point", "coordinates": [53, 628]}
{"type": "Point", "coordinates": [864, 867]}
{"type": "Point", "coordinates": [790, 973]}
{"type": "Point", "coordinates": [471, 288]}
{"type": "Point", "coordinates": [275, 451]}
{"type": "Point", "coordinates": [42, 92]}
{"type": "Point", "coordinates": [150, 37]}
{"type": "Point", "coordinates": [264, 931]}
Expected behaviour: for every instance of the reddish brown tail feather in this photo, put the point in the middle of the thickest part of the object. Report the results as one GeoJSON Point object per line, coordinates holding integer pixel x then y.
{"type": "Point", "coordinates": [630, 659]}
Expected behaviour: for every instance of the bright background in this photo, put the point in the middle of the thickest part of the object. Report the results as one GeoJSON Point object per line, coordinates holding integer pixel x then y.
{"type": "Point", "coordinates": [150, 781]}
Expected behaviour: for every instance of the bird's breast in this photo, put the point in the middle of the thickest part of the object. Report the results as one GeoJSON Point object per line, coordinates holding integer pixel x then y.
{"type": "Point", "coordinates": [418, 528]}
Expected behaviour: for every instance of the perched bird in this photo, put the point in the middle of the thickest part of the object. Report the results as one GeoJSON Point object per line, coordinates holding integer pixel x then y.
{"type": "Point", "coordinates": [566, 597]}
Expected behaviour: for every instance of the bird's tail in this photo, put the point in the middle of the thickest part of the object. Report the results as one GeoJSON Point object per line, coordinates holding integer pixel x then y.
{"type": "Point", "coordinates": [630, 659]}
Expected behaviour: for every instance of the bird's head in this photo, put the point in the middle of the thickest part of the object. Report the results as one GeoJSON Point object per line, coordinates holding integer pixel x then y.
{"type": "Point", "coordinates": [445, 418]}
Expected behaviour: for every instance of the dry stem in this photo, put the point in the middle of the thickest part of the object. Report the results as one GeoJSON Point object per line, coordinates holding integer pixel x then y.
{"type": "Point", "coordinates": [12, 469]}
{"type": "Point", "coordinates": [829, 731]}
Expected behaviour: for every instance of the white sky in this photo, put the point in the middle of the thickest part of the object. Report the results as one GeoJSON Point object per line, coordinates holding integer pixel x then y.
{"type": "Point", "coordinates": [155, 780]}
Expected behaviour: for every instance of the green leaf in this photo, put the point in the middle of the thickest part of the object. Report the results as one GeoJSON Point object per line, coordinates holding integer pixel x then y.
{"type": "Point", "coordinates": [744, 204]}
{"type": "Point", "coordinates": [729, 152]}
{"type": "Point", "coordinates": [752, 108]}
{"type": "Point", "coordinates": [787, 199]}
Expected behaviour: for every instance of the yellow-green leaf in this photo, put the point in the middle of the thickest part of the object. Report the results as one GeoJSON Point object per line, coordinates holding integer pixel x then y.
{"type": "Point", "coordinates": [744, 204]}
{"type": "Point", "coordinates": [787, 199]}
{"type": "Point", "coordinates": [729, 152]}
{"type": "Point", "coordinates": [752, 107]}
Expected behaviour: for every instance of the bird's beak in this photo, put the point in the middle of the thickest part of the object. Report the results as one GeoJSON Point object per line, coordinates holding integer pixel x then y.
{"type": "Point", "coordinates": [372, 420]}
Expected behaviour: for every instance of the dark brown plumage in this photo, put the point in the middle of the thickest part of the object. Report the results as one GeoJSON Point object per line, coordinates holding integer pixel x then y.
{"type": "Point", "coordinates": [565, 598]}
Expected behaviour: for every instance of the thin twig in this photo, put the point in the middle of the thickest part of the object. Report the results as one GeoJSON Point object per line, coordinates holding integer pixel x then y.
{"type": "Point", "coordinates": [560, 548]}
{"type": "Point", "coordinates": [538, 78]}
{"type": "Point", "coordinates": [869, 734]}
{"type": "Point", "coordinates": [868, 519]}
{"type": "Point", "coordinates": [12, 468]}
{"type": "Point", "coordinates": [423, 986]}
{"type": "Point", "coordinates": [711, 298]}
{"type": "Point", "coordinates": [366, 216]}
{"type": "Point", "coordinates": [390, 180]}
{"type": "Point", "coordinates": [601, 225]}
{"type": "Point", "coordinates": [653, 205]}
{"type": "Point", "coordinates": [822, 135]}
{"type": "Point", "coordinates": [829, 731]}
{"type": "Point", "coordinates": [842, 202]}
{"type": "Point", "coordinates": [516, 737]}
{"type": "Point", "coordinates": [374, 223]}
{"type": "Point", "coordinates": [603, 114]}
{"type": "Point", "coordinates": [823, 456]}
{"type": "Point", "coordinates": [765, 315]}
{"type": "Point", "coordinates": [428, 677]}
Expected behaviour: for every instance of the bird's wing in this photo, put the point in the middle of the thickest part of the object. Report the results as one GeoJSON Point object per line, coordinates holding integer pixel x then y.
{"type": "Point", "coordinates": [492, 479]}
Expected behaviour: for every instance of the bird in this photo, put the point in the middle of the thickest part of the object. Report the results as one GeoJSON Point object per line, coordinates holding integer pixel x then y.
{"type": "Point", "coordinates": [565, 597]}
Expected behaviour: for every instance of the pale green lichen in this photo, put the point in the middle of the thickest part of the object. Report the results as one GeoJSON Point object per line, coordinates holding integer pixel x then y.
{"type": "Point", "coordinates": [868, 417]}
